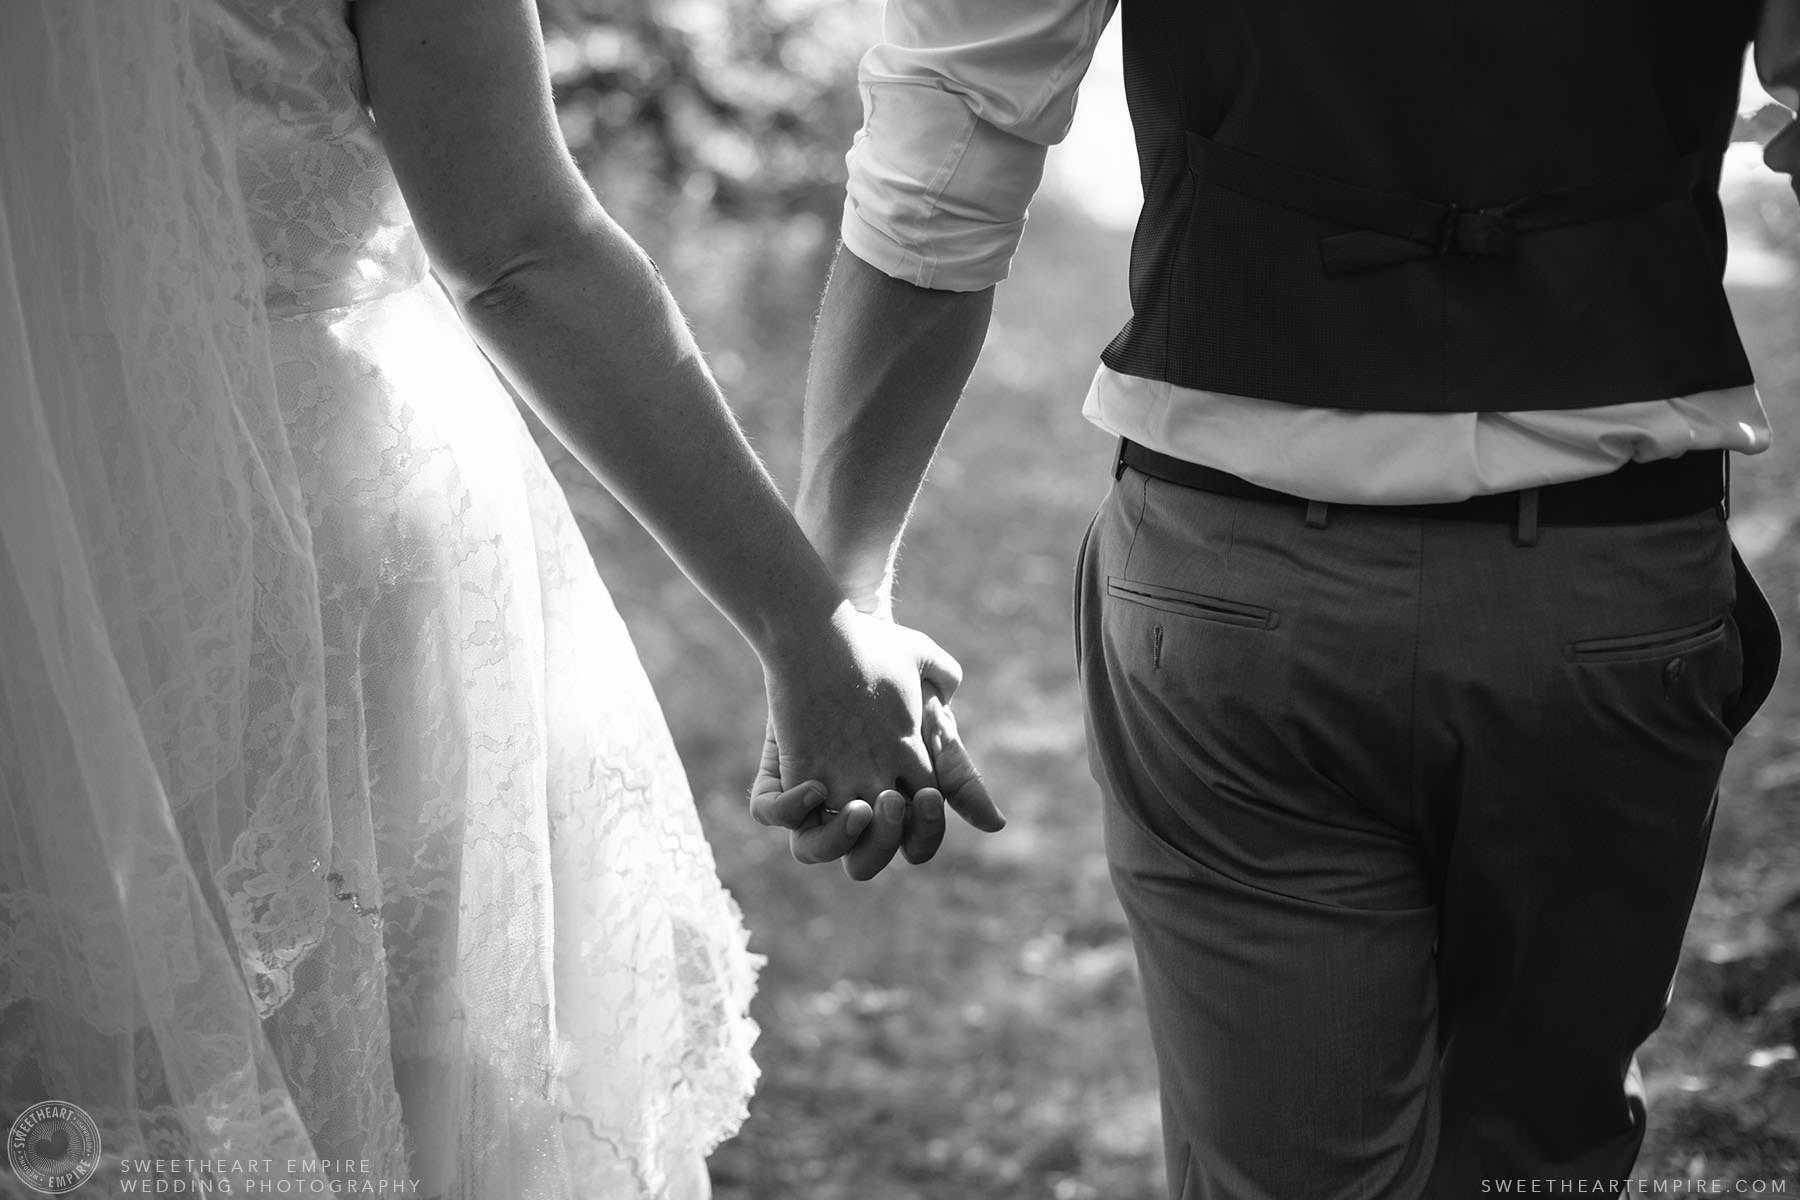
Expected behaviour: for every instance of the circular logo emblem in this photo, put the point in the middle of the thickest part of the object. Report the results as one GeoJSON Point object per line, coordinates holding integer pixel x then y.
{"type": "Point", "coordinates": [53, 1147]}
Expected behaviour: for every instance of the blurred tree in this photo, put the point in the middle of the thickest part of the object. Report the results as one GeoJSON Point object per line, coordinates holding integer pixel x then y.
{"type": "Point", "coordinates": [741, 107]}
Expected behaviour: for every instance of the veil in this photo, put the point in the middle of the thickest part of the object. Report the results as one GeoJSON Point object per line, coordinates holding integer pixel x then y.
{"type": "Point", "coordinates": [159, 834]}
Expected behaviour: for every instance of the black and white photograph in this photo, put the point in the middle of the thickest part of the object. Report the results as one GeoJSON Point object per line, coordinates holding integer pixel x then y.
{"type": "Point", "coordinates": [899, 599]}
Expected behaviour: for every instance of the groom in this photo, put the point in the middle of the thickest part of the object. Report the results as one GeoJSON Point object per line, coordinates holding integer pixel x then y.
{"type": "Point", "coordinates": [1411, 633]}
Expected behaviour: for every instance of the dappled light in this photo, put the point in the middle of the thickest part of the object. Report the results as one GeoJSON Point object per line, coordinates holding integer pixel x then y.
{"type": "Point", "coordinates": [972, 1028]}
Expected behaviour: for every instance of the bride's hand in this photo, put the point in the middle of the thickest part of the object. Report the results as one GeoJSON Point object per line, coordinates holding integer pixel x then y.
{"type": "Point", "coordinates": [851, 710]}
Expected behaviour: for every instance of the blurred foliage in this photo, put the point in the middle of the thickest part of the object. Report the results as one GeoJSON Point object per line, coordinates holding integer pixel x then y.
{"type": "Point", "coordinates": [742, 108]}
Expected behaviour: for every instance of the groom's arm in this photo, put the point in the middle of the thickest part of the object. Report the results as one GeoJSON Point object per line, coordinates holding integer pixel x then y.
{"type": "Point", "coordinates": [889, 363]}
{"type": "Point", "coordinates": [960, 104]}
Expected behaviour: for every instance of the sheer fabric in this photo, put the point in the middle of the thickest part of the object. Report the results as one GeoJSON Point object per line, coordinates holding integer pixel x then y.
{"type": "Point", "coordinates": [340, 822]}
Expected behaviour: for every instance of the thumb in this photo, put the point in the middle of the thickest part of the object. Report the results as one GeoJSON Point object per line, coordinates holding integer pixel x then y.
{"type": "Point", "coordinates": [936, 666]}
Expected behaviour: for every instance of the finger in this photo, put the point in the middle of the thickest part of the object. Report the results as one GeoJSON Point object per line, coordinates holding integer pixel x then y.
{"type": "Point", "coordinates": [878, 844]}
{"type": "Point", "coordinates": [957, 775]}
{"type": "Point", "coordinates": [914, 766]}
{"type": "Point", "coordinates": [823, 836]}
{"type": "Point", "coordinates": [937, 667]}
{"type": "Point", "coordinates": [924, 826]}
{"type": "Point", "coordinates": [768, 770]}
{"type": "Point", "coordinates": [770, 763]}
{"type": "Point", "coordinates": [769, 805]}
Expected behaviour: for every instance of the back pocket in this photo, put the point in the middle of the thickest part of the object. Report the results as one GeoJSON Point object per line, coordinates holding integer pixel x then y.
{"type": "Point", "coordinates": [1636, 647]}
{"type": "Point", "coordinates": [1190, 604]}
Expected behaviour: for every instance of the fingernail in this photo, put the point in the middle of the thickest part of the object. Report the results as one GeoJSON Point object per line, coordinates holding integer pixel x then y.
{"type": "Point", "coordinates": [858, 820]}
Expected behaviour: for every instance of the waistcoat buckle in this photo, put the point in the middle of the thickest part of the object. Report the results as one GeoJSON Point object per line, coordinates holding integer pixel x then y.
{"type": "Point", "coordinates": [1476, 231]}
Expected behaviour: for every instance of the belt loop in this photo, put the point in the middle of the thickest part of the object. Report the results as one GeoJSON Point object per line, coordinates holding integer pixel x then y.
{"type": "Point", "coordinates": [1525, 533]}
{"type": "Point", "coordinates": [1119, 462]}
{"type": "Point", "coordinates": [1317, 514]}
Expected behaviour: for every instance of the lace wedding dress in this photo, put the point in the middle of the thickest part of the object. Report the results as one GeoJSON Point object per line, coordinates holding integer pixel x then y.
{"type": "Point", "coordinates": [343, 841]}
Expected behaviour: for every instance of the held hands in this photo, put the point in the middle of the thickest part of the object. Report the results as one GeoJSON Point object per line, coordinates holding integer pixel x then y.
{"type": "Point", "coordinates": [859, 721]}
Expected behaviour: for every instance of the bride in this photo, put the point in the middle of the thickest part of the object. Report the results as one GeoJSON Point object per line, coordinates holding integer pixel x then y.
{"type": "Point", "coordinates": [343, 845]}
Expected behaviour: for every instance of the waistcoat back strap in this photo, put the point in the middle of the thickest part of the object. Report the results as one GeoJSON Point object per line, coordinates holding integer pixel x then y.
{"type": "Point", "coordinates": [1388, 227]}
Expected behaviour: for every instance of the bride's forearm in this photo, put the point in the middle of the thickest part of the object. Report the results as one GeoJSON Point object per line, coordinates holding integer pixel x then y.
{"type": "Point", "coordinates": [585, 329]}
{"type": "Point", "coordinates": [568, 305]}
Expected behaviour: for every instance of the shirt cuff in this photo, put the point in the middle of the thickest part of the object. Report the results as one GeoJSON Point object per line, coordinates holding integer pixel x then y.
{"type": "Point", "coordinates": [937, 197]}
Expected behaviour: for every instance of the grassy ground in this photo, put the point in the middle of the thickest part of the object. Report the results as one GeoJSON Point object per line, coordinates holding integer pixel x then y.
{"type": "Point", "coordinates": [972, 1028]}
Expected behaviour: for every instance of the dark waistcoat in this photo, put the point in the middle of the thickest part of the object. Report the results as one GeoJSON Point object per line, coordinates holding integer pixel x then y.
{"type": "Point", "coordinates": [1433, 205]}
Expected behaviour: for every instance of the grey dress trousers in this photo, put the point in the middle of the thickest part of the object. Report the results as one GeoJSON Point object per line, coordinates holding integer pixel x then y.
{"type": "Point", "coordinates": [1407, 819]}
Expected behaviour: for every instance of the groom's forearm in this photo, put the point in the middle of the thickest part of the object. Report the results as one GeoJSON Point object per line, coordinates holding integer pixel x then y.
{"type": "Point", "coordinates": [889, 362]}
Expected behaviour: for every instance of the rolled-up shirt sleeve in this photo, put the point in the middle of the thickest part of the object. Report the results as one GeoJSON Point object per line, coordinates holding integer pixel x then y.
{"type": "Point", "coordinates": [961, 102]}
{"type": "Point", "coordinates": [1777, 56]}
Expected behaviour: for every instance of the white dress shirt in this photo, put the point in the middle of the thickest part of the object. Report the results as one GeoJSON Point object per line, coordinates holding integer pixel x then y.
{"type": "Point", "coordinates": [961, 102]}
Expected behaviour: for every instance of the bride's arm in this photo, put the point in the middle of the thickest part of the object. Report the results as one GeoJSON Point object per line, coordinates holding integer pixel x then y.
{"type": "Point", "coordinates": [578, 318]}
